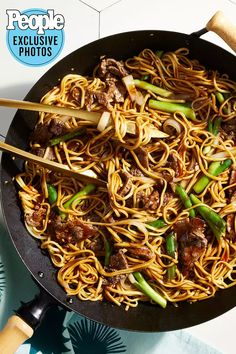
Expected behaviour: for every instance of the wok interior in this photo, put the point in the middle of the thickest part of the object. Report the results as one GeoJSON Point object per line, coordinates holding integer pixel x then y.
{"type": "Point", "coordinates": [145, 317]}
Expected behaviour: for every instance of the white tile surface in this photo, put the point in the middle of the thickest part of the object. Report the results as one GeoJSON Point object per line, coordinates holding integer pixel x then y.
{"type": "Point", "coordinates": [181, 16]}
{"type": "Point", "coordinates": [82, 26]}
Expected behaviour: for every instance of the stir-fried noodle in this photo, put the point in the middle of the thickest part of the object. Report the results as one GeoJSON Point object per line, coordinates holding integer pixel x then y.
{"type": "Point", "coordinates": [101, 237]}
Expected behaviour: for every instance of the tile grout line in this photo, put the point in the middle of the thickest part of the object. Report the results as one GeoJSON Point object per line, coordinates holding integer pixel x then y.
{"type": "Point", "coordinates": [99, 16]}
{"type": "Point", "coordinates": [99, 24]}
{"type": "Point", "coordinates": [105, 8]}
{"type": "Point", "coordinates": [114, 3]}
{"type": "Point", "coordinates": [91, 7]}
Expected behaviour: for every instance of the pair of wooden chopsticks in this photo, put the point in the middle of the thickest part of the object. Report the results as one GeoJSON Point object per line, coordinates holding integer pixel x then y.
{"type": "Point", "coordinates": [93, 117]}
{"type": "Point", "coordinates": [51, 165]}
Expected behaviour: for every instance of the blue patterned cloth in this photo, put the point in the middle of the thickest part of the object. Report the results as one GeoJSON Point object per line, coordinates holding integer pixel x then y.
{"type": "Point", "coordinates": [66, 332]}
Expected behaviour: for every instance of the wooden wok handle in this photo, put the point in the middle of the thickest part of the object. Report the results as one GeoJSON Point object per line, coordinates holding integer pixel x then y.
{"type": "Point", "coordinates": [225, 29]}
{"type": "Point", "coordinates": [15, 332]}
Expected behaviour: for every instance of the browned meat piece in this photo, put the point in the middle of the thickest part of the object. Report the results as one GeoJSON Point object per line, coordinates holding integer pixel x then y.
{"type": "Point", "coordinates": [44, 132]}
{"type": "Point", "coordinates": [71, 231]}
{"type": "Point", "coordinates": [136, 172]}
{"type": "Point", "coordinates": [36, 218]}
{"type": "Point", "coordinates": [41, 134]}
{"type": "Point", "coordinates": [174, 163]}
{"type": "Point", "coordinates": [116, 90]}
{"type": "Point", "coordinates": [232, 180]}
{"type": "Point", "coordinates": [229, 129]}
{"type": "Point", "coordinates": [230, 224]}
{"type": "Point", "coordinates": [167, 197]}
{"type": "Point", "coordinates": [126, 183]}
{"type": "Point", "coordinates": [167, 176]}
{"type": "Point", "coordinates": [112, 93]}
{"type": "Point", "coordinates": [76, 94]}
{"type": "Point", "coordinates": [191, 241]}
{"type": "Point", "coordinates": [110, 71]}
{"type": "Point", "coordinates": [110, 67]}
{"type": "Point", "coordinates": [118, 260]}
{"type": "Point", "coordinates": [232, 198]}
{"type": "Point", "coordinates": [96, 245]}
{"type": "Point", "coordinates": [152, 201]}
{"type": "Point", "coordinates": [47, 153]}
{"type": "Point", "coordinates": [112, 281]}
{"type": "Point", "coordinates": [140, 252]}
{"type": "Point", "coordinates": [142, 155]}
{"type": "Point", "coordinates": [57, 127]}
{"type": "Point", "coordinates": [91, 97]}
{"type": "Point", "coordinates": [230, 220]}
{"type": "Point", "coordinates": [104, 99]}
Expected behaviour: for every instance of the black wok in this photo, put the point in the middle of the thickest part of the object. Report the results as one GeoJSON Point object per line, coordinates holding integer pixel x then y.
{"type": "Point", "coordinates": [145, 317]}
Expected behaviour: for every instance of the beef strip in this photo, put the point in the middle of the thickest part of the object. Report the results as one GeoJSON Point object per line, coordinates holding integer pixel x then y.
{"type": "Point", "coordinates": [143, 253]}
{"type": "Point", "coordinates": [191, 242]}
{"type": "Point", "coordinates": [109, 67]}
{"type": "Point", "coordinates": [41, 134]}
{"type": "Point", "coordinates": [230, 219]}
{"type": "Point", "coordinates": [57, 127]}
{"type": "Point", "coordinates": [142, 156]}
{"type": "Point", "coordinates": [104, 98]}
{"type": "Point", "coordinates": [232, 180]}
{"type": "Point", "coordinates": [96, 245]}
{"type": "Point", "coordinates": [229, 129]}
{"type": "Point", "coordinates": [71, 231]}
{"type": "Point", "coordinates": [47, 153]}
{"type": "Point", "coordinates": [36, 218]}
{"type": "Point", "coordinates": [118, 260]}
{"type": "Point", "coordinates": [167, 197]}
{"type": "Point", "coordinates": [112, 281]}
{"type": "Point", "coordinates": [126, 183]}
{"type": "Point", "coordinates": [110, 71]}
{"type": "Point", "coordinates": [152, 201]}
{"type": "Point", "coordinates": [136, 172]}
{"type": "Point", "coordinates": [230, 226]}
{"type": "Point", "coordinates": [167, 176]}
{"type": "Point", "coordinates": [116, 90]}
{"type": "Point", "coordinates": [174, 163]}
{"type": "Point", "coordinates": [44, 132]}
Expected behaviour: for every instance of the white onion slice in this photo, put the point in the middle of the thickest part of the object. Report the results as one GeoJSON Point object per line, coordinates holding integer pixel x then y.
{"type": "Point", "coordinates": [129, 84]}
{"type": "Point", "coordinates": [170, 122]}
{"type": "Point", "coordinates": [224, 154]}
{"type": "Point", "coordinates": [104, 121]}
{"type": "Point", "coordinates": [139, 99]}
{"type": "Point", "coordinates": [134, 94]}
